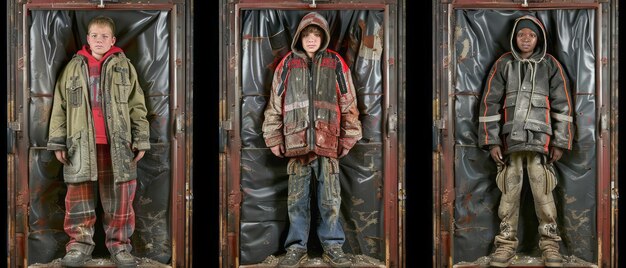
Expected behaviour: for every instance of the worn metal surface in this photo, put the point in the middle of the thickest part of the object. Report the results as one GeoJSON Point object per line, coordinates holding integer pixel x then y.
{"type": "Point", "coordinates": [527, 262]}
{"type": "Point", "coordinates": [63, 33]}
{"type": "Point", "coordinates": [102, 263]}
{"type": "Point", "coordinates": [582, 36]}
{"type": "Point", "coordinates": [253, 189]}
{"type": "Point", "coordinates": [265, 39]}
{"type": "Point", "coordinates": [480, 37]}
{"type": "Point", "coordinates": [360, 261]}
{"type": "Point", "coordinates": [153, 35]}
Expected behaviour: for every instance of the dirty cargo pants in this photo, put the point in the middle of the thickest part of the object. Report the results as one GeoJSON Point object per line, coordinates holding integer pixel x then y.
{"type": "Point", "coordinates": [117, 204]}
{"type": "Point", "coordinates": [542, 181]}
{"type": "Point", "coordinates": [329, 231]}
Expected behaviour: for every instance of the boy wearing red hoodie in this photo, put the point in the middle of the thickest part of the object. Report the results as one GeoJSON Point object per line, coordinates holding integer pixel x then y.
{"type": "Point", "coordinates": [99, 131]}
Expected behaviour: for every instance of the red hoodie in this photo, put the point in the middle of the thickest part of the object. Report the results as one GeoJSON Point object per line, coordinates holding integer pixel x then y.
{"type": "Point", "coordinates": [95, 91]}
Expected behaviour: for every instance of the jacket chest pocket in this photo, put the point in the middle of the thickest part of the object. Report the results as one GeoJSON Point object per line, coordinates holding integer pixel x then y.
{"type": "Point", "coordinates": [74, 92]}
{"type": "Point", "coordinates": [121, 82]}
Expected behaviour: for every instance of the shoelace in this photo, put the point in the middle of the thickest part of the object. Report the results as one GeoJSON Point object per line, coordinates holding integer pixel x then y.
{"type": "Point", "coordinates": [551, 251]}
{"type": "Point", "coordinates": [502, 250]}
{"type": "Point", "coordinates": [335, 252]}
{"type": "Point", "coordinates": [124, 255]}
{"type": "Point", "coordinates": [292, 253]}
{"type": "Point", "coordinates": [74, 253]}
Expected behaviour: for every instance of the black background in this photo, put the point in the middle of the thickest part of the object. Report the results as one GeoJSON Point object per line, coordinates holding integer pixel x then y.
{"type": "Point", "coordinates": [419, 62]}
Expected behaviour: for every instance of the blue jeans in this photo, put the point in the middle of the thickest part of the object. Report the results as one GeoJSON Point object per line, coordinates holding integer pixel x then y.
{"type": "Point", "coordinates": [329, 231]}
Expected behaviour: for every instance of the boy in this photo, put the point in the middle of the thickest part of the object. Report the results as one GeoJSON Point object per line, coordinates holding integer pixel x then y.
{"type": "Point", "coordinates": [312, 117]}
{"type": "Point", "coordinates": [99, 131]}
{"type": "Point", "coordinates": [537, 125]}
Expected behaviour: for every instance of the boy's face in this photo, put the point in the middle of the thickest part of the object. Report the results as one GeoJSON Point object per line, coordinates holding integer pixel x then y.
{"type": "Point", "coordinates": [100, 39]}
{"type": "Point", "coordinates": [311, 42]}
{"type": "Point", "coordinates": [526, 40]}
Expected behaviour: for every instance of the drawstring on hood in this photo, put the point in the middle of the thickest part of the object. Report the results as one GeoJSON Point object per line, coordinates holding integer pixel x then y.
{"type": "Point", "coordinates": [312, 18]}
{"type": "Point", "coordinates": [539, 52]}
{"type": "Point", "coordinates": [526, 103]}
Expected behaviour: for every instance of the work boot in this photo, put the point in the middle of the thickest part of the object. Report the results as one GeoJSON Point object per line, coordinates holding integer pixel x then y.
{"type": "Point", "coordinates": [123, 259]}
{"type": "Point", "coordinates": [75, 258]}
{"type": "Point", "coordinates": [336, 257]}
{"type": "Point", "coordinates": [292, 258]}
{"type": "Point", "coordinates": [552, 258]}
{"type": "Point", "coordinates": [502, 257]}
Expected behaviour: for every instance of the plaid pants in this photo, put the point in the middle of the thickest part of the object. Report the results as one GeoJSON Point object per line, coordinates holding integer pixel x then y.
{"type": "Point", "coordinates": [117, 203]}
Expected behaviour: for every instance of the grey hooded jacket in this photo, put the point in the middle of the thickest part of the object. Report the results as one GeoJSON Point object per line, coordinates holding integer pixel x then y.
{"type": "Point", "coordinates": [526, 104]}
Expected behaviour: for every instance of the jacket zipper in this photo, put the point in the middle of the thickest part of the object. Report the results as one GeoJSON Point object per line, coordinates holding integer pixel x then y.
{"type": "Point", "coordinates": [103, 91]}
{"type": "Point", "coordinates": [311, 89]}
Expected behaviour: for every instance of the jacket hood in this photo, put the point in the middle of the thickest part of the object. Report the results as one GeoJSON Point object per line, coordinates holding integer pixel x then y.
{"type": "Point", "coordinates": [312, 18]}
{"type": "Point", "coordinates": [86, 52]}
{"type": "Point", "coordinates": [540, 50]}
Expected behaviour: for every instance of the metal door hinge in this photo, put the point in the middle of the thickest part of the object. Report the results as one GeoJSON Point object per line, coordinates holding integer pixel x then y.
{"type": "Point", "coordinates": [437, 127]}
{"type": "Point", "coordinates": [401, 193]}
{"type": "Point", "coordinates": [180, 123]}
{"type": "Point", "coordinates": [392, 124]}
{"type": "Point", "coordinates": [312, 2]}
{"type": "Point", "coordinates": [604, 122]}
{"type": "Point", "coordinates": [440, 124]}
{"type": "Point", "coordinates": [15, 126]}
{"type": "Point", "coordinates": [189, 192]}
{"type": "Point", "coordinates": [12, 129]}
{"type": "Point", "coordinates": [225, 126]}
{"type": "Point", "coordinates": [614, 191]}
{"type": "Point", "coordinates": [101, 2]}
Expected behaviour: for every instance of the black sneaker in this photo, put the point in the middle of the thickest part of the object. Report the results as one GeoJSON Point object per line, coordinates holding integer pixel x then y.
{"type": "Point", "coordinates": [75, 258]}
{"type": "Point", "coordinates": [292, 258]}
{"type": "Point", "coordinates": [123, 259]}
{"type": "Point", "coordinates": [336, 257]}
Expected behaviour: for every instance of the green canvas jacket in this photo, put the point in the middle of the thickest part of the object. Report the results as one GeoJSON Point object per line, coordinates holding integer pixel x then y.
{"type": "Point", "coordinates": [71, 123]}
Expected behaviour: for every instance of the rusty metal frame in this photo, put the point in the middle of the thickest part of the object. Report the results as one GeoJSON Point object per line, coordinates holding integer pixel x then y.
{"type": "Point", "coordinates": [181, 112]}
{"type": "Point", "coordinates": [606, 109]}
{"type": "Point", "coordinates": [393, 140]}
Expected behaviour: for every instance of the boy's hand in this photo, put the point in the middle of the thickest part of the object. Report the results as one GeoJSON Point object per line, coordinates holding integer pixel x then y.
{"type": "Point", "coordinates": [496, 154]}
{"type": "Point", "coordinates": [343, 152]}
{"type": "Point", "coordinates": [555, 154]}
{"type": "Point", "coordinates": [61, 155]}
{"type": "Point", "coordinates": [278, 150]}
{"type": "Point", "coordinates": [138, 156]}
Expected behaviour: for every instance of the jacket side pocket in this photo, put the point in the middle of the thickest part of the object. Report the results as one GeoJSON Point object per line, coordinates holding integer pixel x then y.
{"type": "Point", "coordinates": [76, 145]}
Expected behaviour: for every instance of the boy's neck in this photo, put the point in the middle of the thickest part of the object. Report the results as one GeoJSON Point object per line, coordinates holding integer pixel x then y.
{"type": "Point", "coordinates": [526, 55]}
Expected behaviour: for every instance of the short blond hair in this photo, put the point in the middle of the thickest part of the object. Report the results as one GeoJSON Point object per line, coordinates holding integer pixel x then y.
{"type": "Point", "coordinates": [102, 21]}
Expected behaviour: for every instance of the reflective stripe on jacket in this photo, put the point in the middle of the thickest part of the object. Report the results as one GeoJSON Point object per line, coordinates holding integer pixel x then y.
{"type": "Point", "coordinates": [312, 107]}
